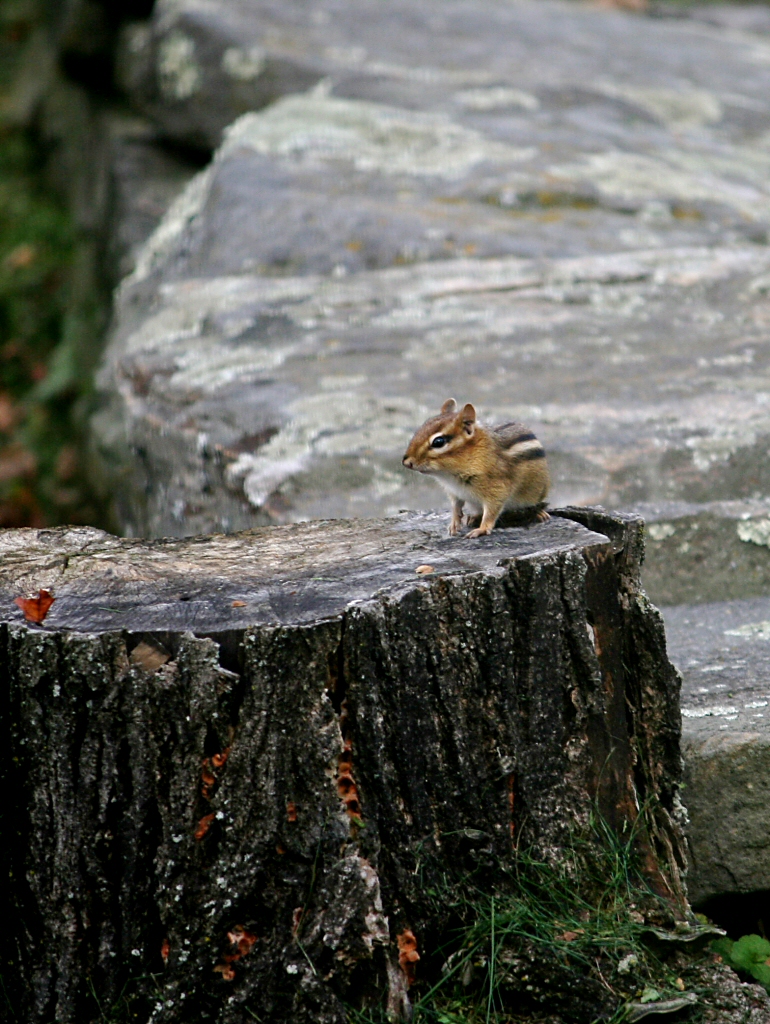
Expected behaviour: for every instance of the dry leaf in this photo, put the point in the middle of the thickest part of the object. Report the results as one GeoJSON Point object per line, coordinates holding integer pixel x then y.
{"type": "Point", "coordinates": [148, 657]}
{"type": "Point", "coordinates": [219, 759]}
{"type": "Point", "coordinates": [348, 791]}
{"type": "Point", "coordinates": [424, 570]}
{"type": "Point", "coordinates": [227, 972]}
{"type": "Point", "coordinates": [208, 781]}
{"type": "Point", "coordinates": [407, 954]}
{"type": "Point", "coordinates": [239, 604]}
{"type": "Point", "coordinates": [203, 826]}
{"type": "Point", "coordinates": [35, 608]}
{"type": "Point", "coordinates": [242, 939]}
{"type": "Point", "coordinates": [165, 949]}
{"type": "Point", "coordinates": [291, 811]}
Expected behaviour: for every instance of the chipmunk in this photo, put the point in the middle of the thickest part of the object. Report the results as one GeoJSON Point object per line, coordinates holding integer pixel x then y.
{"type": "Point", "coordinates": [490, 468]}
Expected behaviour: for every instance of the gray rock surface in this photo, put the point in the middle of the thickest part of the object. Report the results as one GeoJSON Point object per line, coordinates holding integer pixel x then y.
{"type": "Point", "coordinates": [723, 653]}
{"type": "Point", "coordinates": [145, 177]}
{"type": "Point", "coordinates": [740, 17]}
{"type": "Point", "coordinates": [201, 63]}
{"type": "Point", "coordinates": [698, 553]}
{"type": "Point", "coordinates": [556, 211]}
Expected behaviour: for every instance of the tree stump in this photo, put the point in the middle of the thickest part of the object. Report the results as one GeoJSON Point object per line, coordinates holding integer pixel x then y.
{"type": "Point", "coordinates": [233, 765]}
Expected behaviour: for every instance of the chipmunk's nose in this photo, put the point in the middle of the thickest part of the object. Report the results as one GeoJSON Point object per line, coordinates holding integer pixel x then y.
{"type": "Point", "coordinates": [409, 463]}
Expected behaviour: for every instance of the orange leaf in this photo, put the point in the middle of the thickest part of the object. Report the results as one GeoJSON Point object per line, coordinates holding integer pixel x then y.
{"type": "Point", "coordinates": [165, 949]}
{"type": "Point", "coordinates": [35, 608]}
{"type": "Point", "coordinates": [219, 759]}
{"type": "Point", "coordinates": [407, 954]}
{"type": "Point", "coordinates": [204, 825]}
{"type": "Point", "coordinates": [239, 604]}
{"type": "Point", "coordinates": [227, 972]}
{"type": "Point", "coordinates": [291, 811]}
{"type": "Point", "coordinates": [242, 939]}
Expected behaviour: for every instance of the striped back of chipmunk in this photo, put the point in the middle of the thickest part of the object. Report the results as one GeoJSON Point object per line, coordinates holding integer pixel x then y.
{"type": "Point", "coordinates": [518, 442]}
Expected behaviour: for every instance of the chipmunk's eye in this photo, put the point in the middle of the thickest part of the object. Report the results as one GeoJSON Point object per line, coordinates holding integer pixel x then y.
{"type": "Point", "coordinates": [439, 442]}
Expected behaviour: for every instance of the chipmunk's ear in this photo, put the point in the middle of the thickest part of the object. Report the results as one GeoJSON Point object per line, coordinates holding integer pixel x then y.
{"type": "Point", "coordinates": [468, 419]}
{"type": "Point", "coordinates": [449, 406]}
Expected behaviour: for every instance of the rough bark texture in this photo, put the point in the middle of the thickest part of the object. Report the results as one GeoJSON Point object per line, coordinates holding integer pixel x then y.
{"type": "Point", "coordinates": [254, 812]}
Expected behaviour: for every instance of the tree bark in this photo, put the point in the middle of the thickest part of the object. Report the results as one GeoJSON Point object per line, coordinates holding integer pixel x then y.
{"type": "Point", "coordinates": [235, 766]}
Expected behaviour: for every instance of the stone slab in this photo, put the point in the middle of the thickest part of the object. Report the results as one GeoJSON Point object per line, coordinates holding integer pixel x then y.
{"type": "Point", "coordinates": [145, 177]}
{"type": "Point", "coordinates": [575, 240]}
{"type": "Point", "coordinates": [723, 652]}
{"type": "Point", "coordinates": [735, 17]}
{"type": "Point", "coordinates": [200, 63]}
{"type": "Point", "coordinates": [699, 553]}
{"type": "Point", "coordinates": [243, 399]}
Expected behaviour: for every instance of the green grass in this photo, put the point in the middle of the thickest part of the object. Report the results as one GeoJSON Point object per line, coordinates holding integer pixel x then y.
{"type": "Point", "coordinates": [571, 939]}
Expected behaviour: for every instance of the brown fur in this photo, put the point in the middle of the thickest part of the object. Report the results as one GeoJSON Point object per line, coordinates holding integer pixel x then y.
{"type": "Point", "coordinates": [489, 467]}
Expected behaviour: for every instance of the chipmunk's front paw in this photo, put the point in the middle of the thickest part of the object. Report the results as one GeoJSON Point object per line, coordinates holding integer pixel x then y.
{"type": "Point", "coordinates": [481, 531]}
{"type": "Point", "coordinates": [542, 516]}
{"type": "Point", "coordinates": [454, 527]}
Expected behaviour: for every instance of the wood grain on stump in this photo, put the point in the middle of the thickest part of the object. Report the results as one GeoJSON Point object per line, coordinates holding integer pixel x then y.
{"type": "Point", "coordinates": [238, 763]}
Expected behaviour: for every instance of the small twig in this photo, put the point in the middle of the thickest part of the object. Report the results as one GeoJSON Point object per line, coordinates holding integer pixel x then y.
{"type": "Point", "coordinates": [604, 982]}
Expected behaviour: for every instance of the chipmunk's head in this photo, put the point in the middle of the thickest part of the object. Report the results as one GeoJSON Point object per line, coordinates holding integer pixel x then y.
{"type": "Point", "coordinates": [441, 442]}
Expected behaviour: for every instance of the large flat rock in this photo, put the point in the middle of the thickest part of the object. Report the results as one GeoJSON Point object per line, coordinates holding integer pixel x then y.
{"type": "Point", "coordinates": [723, 652]}
{"type": "Point", "coordinates": [201, 63]}
{"type": "Point", "coordinates": [234, 399]}
{"type": "Point", "coordinates": [698, 553]}
{"type": "Point", "coordinates": [555, 211]}
{"type": "Point", "coordinates": [145, 176]}
{"type": "Point", "coordinates": [715, 557]}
